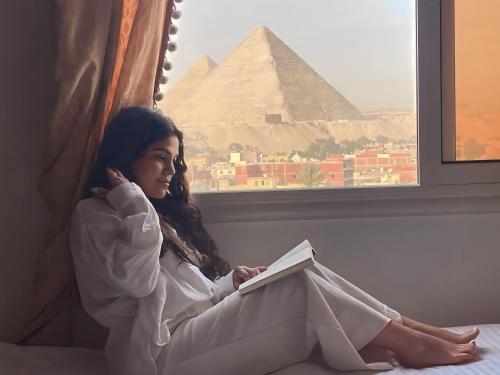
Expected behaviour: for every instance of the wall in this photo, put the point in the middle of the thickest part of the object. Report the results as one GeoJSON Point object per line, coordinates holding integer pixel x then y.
{"type": "Point", "coordinates": [440, 269]}
{"type": "Point", "coordinates": [25, 76]}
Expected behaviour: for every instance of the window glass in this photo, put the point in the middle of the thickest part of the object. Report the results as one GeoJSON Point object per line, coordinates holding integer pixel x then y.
{"type": "Point", "coordinates": [477, 79]}
{"type": "Point", "coordinates": [293, 94]}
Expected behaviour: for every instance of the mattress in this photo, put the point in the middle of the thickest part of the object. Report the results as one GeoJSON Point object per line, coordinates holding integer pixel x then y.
{"type": "Point", "coordinates": [50, 360]}
{"type": "Point", "coordinates": [17, 360]}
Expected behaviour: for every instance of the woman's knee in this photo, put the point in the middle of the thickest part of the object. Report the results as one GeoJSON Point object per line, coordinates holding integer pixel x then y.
{"type": "Point", "coordinates": [290, 289]}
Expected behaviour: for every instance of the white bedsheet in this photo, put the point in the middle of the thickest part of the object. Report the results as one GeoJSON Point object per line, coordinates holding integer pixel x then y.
{"type": "Point", "coordinates": [489, 364]}
{"type": "Point", "coordinates": [17, 360]}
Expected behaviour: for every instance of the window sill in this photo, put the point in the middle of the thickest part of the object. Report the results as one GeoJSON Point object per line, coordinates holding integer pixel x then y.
{"type": "Point", "coordinates": [395, 201]}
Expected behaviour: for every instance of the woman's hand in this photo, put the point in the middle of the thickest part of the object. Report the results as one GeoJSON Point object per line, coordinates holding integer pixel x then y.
{"type": "Point", "coordinates": [244, 273]}
{"type": "Point", "coordinates": [115, 178]}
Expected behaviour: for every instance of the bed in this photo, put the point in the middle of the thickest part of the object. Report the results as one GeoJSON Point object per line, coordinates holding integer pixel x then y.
{"type": "Point", "coordinates": [16, 360]}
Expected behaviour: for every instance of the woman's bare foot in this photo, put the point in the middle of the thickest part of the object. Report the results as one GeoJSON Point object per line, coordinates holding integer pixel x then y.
{"type": "Point", "coordinates": [434, 351]}
{"type": "Point", "coordinates": [457, 338]}
{"type": "Point", "coordinates": [417, 349]}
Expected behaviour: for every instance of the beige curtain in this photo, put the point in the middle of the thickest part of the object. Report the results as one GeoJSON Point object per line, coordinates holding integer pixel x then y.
{"type": "Point", "coordinates": [106, 57]}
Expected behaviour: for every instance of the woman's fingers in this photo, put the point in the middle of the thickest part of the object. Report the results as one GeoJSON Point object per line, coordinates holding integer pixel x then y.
{"type": "Point", "coordinates": [254, 271]}
{"type": "Point", "coordinates": [251, 272]}
{"type": "Point", "coordinates": [112, 176]}
{"type": "Point", "coordinates": [115, 177]}
{"type": "Point", "coordinates": [244, 273]}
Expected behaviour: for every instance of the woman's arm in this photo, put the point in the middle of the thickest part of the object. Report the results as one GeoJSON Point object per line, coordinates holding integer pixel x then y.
{"type": "Point", "coordinates": [124, 245]}
{"type": "Point", "coordinates": [231, 282]}
{"type": "Point", "coordinates": [225, 284]}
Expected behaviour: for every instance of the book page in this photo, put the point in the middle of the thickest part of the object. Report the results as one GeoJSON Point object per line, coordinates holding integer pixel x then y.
{"type": "Point", "coordinates": [300, 254]}
{"type": "Point", "coordinates": [296, 250]}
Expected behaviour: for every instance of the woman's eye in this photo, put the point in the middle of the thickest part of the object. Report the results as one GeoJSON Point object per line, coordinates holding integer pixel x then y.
{"type": "Point", "coordinates": [161, 156]}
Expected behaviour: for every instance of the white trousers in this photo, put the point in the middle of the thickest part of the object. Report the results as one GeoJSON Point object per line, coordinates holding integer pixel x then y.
{"type": "Point", "coordinates": [278, 325]}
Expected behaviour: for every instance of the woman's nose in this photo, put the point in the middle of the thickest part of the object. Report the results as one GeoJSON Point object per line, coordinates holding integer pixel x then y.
{"type": "Point", "coordinates": [169, 169]}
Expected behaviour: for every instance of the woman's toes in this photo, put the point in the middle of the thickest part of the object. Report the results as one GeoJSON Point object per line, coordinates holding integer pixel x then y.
{"type": "Point", "coordinates": [471, 335]}
{"type": "Point", "coordinates": [466, 349]}
{"type": "Point", "coordinates": [470, 345]}
{"type": "Point", "coordinates": [463, 357]}
{"type": "Point", "coordinates": [466, 336]}
{"type": "Point", "coordinates": [475, 332]}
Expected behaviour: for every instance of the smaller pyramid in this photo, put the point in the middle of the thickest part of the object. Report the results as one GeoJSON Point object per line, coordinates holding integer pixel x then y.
{"type": "Point", "coordinates": [188, 83]}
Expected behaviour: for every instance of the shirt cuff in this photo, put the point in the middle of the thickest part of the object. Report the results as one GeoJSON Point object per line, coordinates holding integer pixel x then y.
{"type": "Point", "coordinates": [225, 284]}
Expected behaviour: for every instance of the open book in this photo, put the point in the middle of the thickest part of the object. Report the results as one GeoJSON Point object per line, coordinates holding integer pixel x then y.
{"type": "Point", "coordinates": [301, 256]}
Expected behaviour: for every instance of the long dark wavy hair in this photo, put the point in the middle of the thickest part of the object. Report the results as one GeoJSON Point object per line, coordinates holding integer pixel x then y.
{"type": "Point", "coordinates": [126, 139]}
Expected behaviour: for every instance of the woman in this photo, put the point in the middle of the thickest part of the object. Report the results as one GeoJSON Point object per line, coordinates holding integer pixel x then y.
{"type": "Point", "coordinates": [148, 270]}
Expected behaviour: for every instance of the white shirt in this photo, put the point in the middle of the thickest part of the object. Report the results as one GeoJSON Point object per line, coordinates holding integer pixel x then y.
{"type": "Point", "coordinates": [125, 286]}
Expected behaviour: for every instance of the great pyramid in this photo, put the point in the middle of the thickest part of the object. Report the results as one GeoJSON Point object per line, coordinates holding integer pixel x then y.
{"type": "Point", "coordinates": [261, 80]}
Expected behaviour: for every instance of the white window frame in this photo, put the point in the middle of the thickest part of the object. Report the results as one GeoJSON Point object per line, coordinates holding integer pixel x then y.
{"type": "Point", "coordinates": [445, 188]}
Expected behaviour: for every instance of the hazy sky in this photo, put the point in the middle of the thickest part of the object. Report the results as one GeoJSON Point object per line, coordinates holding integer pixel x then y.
{"type": "Point", "coordinates": [364, 48]}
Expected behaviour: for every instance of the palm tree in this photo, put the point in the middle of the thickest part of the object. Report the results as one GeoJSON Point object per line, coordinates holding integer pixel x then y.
{"type": "Point", "coordinates": [311, 176]}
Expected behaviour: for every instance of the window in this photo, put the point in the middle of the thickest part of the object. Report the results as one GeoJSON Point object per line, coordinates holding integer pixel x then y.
{"type": "Point", "coordinates": [439, 154]}
{"type": "Point", "coordinates": [445, 72]}
{"type": "Point", "coordinates": [472, 53]}
{"type": "Point", "coordinates": [329, 104]}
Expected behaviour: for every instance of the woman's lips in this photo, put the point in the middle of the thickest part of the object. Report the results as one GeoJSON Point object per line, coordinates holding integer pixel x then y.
{"type": "Point", "coordinates": [165, 184]}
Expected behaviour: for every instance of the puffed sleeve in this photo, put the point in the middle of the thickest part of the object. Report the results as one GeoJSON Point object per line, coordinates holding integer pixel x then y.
{"type": "Point", "coordinates": [124, 245]}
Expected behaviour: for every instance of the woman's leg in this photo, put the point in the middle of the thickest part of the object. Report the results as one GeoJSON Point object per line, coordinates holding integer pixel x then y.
{"type": "Point", "coordinates": [349, 288]}
{"type": "Point", "coordinates": [412, 347]}
{"type": "Point", "coordinates": [257, 333]}
{"type": "Point", "coordinates": [280, 324]}
{"type": "Point", "coordinates": [274, 327]}
{"type": "Point", "coordinates": [444, 334]}
{"type": "Point", "coordinates": [359, 294]}
{"type": "Point", "coordinates": [417, 349]}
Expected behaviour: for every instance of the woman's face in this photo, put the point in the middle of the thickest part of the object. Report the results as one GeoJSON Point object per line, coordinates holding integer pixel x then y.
{"type": "Point", "coordinates": [154, 170]}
